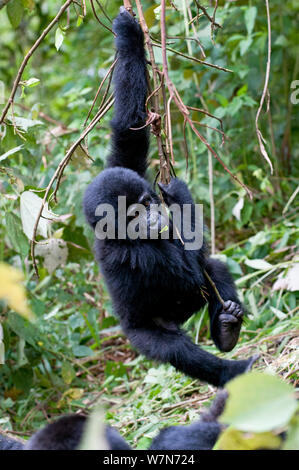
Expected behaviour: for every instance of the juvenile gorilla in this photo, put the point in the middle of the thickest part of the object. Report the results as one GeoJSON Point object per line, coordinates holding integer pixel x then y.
{"type": "Point", "coordinates": [156, 285]}
{"type": "Point", "coordinates": [66, 434]}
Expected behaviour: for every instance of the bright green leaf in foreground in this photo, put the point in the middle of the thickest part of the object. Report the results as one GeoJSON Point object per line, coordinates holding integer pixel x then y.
{"type": "Point", "coordinates": [232, 439]}
{"type": "Point", "coordinates": [258, 403]}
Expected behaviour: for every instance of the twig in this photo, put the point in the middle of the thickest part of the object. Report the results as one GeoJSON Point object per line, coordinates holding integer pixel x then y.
{"type": "Point", "coordinates": [203, 62]}
{"type": "Point", "coordinates": [258, 132]}
{"type": "Point", "coordinates": [99, 89]}
{"type": "Point", "coordinates": [179, 103]}
{"type": "Point", "coordinates": [128, 6]}
{"type": "Point", "coordinates": [98, 19]}
{"type": "Point", "coordinates": [213, 23]}
{"type": "Point", "coordinates": [214, 287]}
{"type": "Point", "coordinates": [27, 57]}
{"type": "Point", "coordinates": [212, 20]}
{"type": "Point", "coordinates": [164, 164]}
{"type": "Point", "coordinates": [290, 200]}
{"type": "Point", "coordinates": [104, 11]}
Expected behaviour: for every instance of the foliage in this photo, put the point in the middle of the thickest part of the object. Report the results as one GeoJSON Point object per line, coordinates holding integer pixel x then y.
{"type": "Point", "coordinates": [74, 353]}
{"type": "Point", "coordinates": [259, 409]}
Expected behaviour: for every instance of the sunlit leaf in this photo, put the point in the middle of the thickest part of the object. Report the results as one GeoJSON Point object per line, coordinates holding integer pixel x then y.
{"type": "Point", "coordinates": [258, 403]}
{"type": "Point", "coordinates": [13, 291]}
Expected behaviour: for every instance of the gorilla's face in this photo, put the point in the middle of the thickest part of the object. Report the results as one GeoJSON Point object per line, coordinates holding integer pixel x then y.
{"type": "Point", "coordinates": [120, 204]}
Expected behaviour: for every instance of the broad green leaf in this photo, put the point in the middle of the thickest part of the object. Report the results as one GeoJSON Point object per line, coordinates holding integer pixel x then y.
{"type": "Point", "coordinates": [258, 403]}
{"type": "Point", "coordinates": [259, 264]}
{"type": "Point", "coordinates": [82, 351]}
{"type": "Point", "coordinates": [15, 11]}
{"type": "Point", "coordinates": [250, 16]}
{"type": "Point", "coordinates": [232, 439]}
{"type": "Point", "coordinates": [59, 37]}
{"type": "Point", "coordinates": [244, 45]}
{"type": "Point", "coordinates": [68, 372]}
{"type": "Point", "coordinates": [30, 205]}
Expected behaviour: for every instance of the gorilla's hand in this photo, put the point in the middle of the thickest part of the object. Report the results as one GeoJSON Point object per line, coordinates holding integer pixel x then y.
{"type": "Point", "coordinates": [176, 192]}
{"type": "Point", "coordinates": [228, 325]}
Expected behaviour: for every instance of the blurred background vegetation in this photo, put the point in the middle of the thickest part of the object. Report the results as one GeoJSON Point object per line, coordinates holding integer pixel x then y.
{"type": "Point", "coordinates": [74, 354]}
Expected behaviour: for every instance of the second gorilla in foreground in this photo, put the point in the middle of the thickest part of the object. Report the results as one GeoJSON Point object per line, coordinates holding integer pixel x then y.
{"type": "Point", "coordinates": [66, 434]}
{"type": "Point", "coordinates": [156, 284]}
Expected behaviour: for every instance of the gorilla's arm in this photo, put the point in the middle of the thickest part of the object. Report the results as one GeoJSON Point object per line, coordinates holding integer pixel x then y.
{"type": "Point", "coordinates": [170, 344]}
{"type": "Point", "coordinates": [225, 320]}
{"type": "Point", "coordinates": [129, 147]}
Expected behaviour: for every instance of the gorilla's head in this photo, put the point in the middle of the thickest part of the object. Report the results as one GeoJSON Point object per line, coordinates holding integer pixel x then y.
{"type": "Point", "coordinates": [119, 197]}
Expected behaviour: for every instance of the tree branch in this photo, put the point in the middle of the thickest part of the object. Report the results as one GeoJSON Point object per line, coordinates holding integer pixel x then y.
{"type": "Point", "coordinates": [258, 132]}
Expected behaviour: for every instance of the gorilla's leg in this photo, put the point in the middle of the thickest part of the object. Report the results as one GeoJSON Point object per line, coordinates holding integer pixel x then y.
{"type": "Point", "coordinates": [174, 346]}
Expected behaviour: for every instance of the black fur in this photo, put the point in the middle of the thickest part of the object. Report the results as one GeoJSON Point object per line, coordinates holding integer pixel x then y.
{"type": "Point", "coordinates": [156, 285]}
{"type": "Point", "coordinates": [66, 434]}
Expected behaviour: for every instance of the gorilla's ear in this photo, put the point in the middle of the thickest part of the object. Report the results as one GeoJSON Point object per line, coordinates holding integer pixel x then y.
{"type": "Point", "coordinates": [64, 434]}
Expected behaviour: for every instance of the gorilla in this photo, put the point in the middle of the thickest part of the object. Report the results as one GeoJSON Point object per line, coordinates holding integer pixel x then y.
{"type": "Point", "coordinates": [66, 434]}
{"type": "Point", "coordinates": [155, 283]}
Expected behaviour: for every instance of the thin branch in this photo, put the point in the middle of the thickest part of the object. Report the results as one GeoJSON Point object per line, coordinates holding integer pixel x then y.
{"type": "Point", "coordinates": [27, 57]}
{"type": "Point", "coordinates": [179, 103]}
{"type": "Point", "coordinates": [104, 11]}
{"type": "Point", "coordinates": [109, 72]}
{"type": "Point", "coordinates": [98, 19]}
{"type": "Point", "coordinates": [214, 287]}
{"type": "Point", "coordinates": [199, 61]}
{"type": "Point", "coordinates": [128, 6]}
{"type": "Point", "coordinates": [213, 22]}
{"type": "Point", "coordinates": [164, 163]}
{"type": "Point", "coordinates": [203, 9]}
{"type": "Point", "coordinates": [258, 132]}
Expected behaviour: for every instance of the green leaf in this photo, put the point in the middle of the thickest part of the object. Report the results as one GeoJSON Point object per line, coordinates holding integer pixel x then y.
{"type": "Point", "coordinates": [82, 351]}
{"type": "Point", "coordinates": [258, 264]}
{"type": "Point", "coordinates": [11, 152]}
{"type": "Point", "coordinates": [31, 82]}
{"type": "Point", "coordinates": [68, 373]}
{"type": "Point", "coordinates": [232, 439]}
{"type": "Point", "coordinates": [24, 329]}
{"type": "Point", "coordinates": [258, 403]}
{"type": "Point", "coordinates": [15, 11]}
{"type": "Point", "coordinates": [16, 236]}
{"type": "Point", "coordinates": [292, 440]}
{"type": "Point", "coordinates": [250, 16]}
{"type": "Point", "coordinates": [59, 37]}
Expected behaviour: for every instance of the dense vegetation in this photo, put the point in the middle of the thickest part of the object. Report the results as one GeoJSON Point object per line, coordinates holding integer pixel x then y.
{"type": "Point", "coordinates": [74, 354]}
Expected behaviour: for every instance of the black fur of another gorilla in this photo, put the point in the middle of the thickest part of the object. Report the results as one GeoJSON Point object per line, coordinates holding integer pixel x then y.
{"type": "Point", "coordinates": [66, 434]}
{"type": "Point", "coordinates": [156, 285]}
